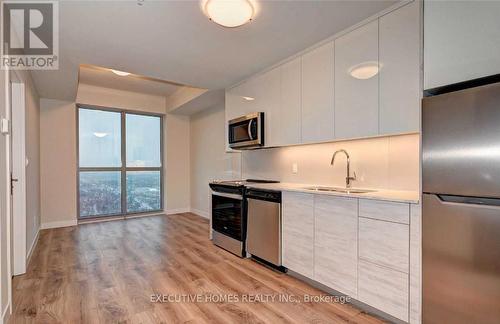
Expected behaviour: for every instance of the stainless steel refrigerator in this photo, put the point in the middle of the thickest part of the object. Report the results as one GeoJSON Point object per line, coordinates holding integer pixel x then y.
{"type": "Point", "coordinates": [461, 206]}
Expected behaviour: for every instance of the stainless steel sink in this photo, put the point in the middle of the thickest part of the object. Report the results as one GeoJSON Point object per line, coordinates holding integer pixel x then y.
{"type": "Point", "coordinates": [339, 189]}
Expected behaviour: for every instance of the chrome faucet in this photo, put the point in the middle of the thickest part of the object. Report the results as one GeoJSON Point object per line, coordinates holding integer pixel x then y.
{"type": "Point", "coordinates": [348, 178]}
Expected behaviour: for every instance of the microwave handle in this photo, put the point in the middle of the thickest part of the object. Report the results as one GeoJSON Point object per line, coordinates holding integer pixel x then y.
{"type": "Point", "coordinates": [250, 129]}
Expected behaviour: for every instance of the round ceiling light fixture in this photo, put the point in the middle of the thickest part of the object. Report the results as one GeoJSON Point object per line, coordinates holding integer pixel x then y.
{"type": "Point", "coordinates": [365, 70]}
{"type": "Point", "coordinates": [100, 134]}
{"type": "Point", "coordinates": [120, 73]}
{"type": "Point", "coordinates": [229, 13]}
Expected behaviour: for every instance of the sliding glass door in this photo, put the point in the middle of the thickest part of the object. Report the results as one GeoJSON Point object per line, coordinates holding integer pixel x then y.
{"type": "Point", "coordinates": [119, 163]}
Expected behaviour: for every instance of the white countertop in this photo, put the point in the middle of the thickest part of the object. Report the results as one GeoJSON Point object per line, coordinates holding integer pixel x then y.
{"type": "Point", "coordinates": [379, 194]}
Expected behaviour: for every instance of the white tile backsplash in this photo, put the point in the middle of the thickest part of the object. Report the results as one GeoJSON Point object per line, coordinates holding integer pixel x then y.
{"type": "Point", "coordinates": [385, 162]}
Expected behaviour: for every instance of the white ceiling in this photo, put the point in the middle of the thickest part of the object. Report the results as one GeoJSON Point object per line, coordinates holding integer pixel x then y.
{"type": "Point", "coordinates": [173, 40]}
{"type": "Point", "coordinates": [100, 77]}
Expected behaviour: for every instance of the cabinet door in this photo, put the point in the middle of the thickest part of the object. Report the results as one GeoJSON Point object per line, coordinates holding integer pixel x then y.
{"type": "Point", "coordinates": [356, 100]}
{"type": "Point", "coordinates": [233, 104]}
{"type": "Point", "coordinates": [385, 243]}
{"type": "Point", "coordinates": [317, 94]}
{"type": "Point", "coordinates": [290, 113]}
{"type": "Point", "coordinates": [237, 100]}
{"type": "Point", "coordinates": [461, 41]}
{"type": "Point", "coordinates": [298, 232]}
{"type": "Point", "coordinates": [384, 288]}
{"type": "Point", "coordinates": [415, 263]}
{"type": "Point", "coordinates": [267, 97]}
{"type": "Point", "coordinates": [385, 210]}
{"type": "Point", "coordinates": [336, 243]}
{"type": "Point", "coordinates": [400, 70]}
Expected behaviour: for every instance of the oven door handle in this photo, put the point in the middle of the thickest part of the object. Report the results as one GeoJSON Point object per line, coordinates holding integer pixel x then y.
{"type": "Point", "coordinates": [227, 195]}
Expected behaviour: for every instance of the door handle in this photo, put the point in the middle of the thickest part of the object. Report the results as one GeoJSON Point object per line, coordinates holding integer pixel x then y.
{"type": "Point", "coordinates": [250, 129]}
{"type": "Point", "coordinates": [484, 201]}
{"type": "Point", "coordinates": [12, 180]}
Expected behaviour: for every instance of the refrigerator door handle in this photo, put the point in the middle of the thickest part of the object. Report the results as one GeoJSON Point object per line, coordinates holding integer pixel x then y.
{"type": "Point", "coordinates": [483, 201]}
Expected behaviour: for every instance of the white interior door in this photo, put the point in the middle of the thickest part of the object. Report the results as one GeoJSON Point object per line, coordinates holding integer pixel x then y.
{"type": "Point", "coordinates": [18, 175]}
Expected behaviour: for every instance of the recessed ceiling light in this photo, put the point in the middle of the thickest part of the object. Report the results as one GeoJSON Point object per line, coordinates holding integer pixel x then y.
{"type": "Point", "coordinates": [229, 13]}
{"type": "Point", "coordinates": [365, 70]}
{"type": "Point", "coordinates": [100, 135]}
{"type": "Point", "coordinates": [248, 98]}
{"type": "Point", "coordinates": [120, 73]}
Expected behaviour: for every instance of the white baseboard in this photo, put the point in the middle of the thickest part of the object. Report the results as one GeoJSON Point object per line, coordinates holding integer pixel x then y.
{"type": "Point", "coordinates": [5, 315]}
{"type": "Point", "coordinates": [32, 247]}
{"type": "Point", "coordinates": [200, 212]}
{"type": "Point", "coordinates": [177, 211]}
{"type": "Point", "coordinates": [67, 223]}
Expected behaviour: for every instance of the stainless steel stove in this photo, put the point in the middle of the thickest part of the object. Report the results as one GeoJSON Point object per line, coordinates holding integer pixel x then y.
{"type": "Point", "coordinates": [229, 214]}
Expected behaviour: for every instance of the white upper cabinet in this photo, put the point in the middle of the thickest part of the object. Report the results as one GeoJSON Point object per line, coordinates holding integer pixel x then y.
{"type": "Point", "coordinates": [356, 100]}
{"type": "Point", "coordinates": [236, 105]}
{"type": "Point", "coordinates": [326, 94]}
{"type": "Point", "coordinates": [317, 94]}
{"type": "Point", "coordinates": [461, 41]}
{"type": "Point", "coordinates": [267, 97]}
{"type": "Point", "coordinates": [290, 114]}
{"type": "Point", "coordinates": [399, 58]}
{"type": "Point", "coordinates": [261, 93]}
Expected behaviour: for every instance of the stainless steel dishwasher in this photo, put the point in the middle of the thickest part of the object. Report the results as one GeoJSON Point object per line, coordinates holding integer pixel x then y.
{"type": "Point", "coordinates": [264, 226]}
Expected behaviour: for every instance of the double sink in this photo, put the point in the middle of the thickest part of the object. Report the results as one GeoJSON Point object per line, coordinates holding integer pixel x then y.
{"type": "Point", "coordinates": [339, 189]}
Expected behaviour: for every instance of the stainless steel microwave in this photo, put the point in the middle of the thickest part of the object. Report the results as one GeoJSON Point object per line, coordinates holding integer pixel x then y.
{"type": "Point", "coordinates": [246, 132]}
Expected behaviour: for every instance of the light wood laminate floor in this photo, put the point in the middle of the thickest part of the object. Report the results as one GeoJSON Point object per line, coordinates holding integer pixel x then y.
{"type": "Point", "coordinates": [107, 272]}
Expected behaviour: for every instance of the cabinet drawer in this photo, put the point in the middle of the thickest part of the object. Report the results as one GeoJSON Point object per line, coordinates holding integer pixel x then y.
{"type": "Point", "coordinates": [384, 243]}
{"type": "Point", "coordinates": [385, 210]}
{"type": "Point", "coordinates": [384, 289]}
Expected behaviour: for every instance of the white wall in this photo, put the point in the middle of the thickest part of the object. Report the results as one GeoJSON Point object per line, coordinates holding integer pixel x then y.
{"type": "Point", "coordinates": [209, 160]}
{"type": "Point", "coordinates": [33, 188]}
{"type": "Point", "coordinates": [106, 97]}
{"type": "Point", "coordinates": [384, 162]}
{"type": "Point", "coordinates": [58, 158]}
{"type": "Point", "coordinates": [58, 162]}
{"type": "Point", "coordinates": [177, 165]}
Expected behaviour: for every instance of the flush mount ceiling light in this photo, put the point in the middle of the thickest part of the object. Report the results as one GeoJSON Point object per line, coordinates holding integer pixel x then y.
{"type": "Point", "coordinates": [100, 135]}
{"type": "Point", "coordinates": [365, 70]}
{"type": "Point", "coordinates": [229, 13]}
{"type": "Point", "coordinates": [120, 73]}
{"type": "Point", "coordinates": [248, 98]}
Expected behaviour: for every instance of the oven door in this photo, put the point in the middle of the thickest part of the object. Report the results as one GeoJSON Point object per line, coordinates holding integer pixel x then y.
{"type": "Point", "coordinates": [228, 215]}
{"type": "Point", "coordinates": [246, 131]}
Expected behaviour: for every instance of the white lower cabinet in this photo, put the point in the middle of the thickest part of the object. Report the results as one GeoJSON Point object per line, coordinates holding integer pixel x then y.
{"type": "Point", "coordinates": [384, 288]}
{"type": "Point", "coordinates": [336, 243]}
{"type": "Point", "coordinates": [298, 232]}
{"type": "Point", "coordinates": [385, 243]}
{"type": "Point", "coordinates": [359, 247]}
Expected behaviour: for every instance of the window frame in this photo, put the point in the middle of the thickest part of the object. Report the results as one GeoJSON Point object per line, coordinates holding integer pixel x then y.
{"type": "Point", "coordinates": [123, 169]}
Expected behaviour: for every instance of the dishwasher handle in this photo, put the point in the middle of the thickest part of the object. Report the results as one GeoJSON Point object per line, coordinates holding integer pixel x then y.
{"type": "Point", "coordinates": [267, 195]}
